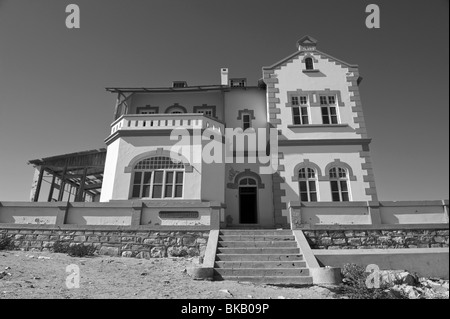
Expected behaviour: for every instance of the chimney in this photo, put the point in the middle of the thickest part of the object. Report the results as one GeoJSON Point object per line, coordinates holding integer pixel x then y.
{"type": "Point", "coordinates": [224, 76]}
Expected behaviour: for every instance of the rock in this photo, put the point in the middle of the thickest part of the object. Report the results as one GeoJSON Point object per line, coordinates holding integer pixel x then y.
{"type": "Point", "coordinates": [395, 277]}
{"type": "Point", "coordinates": [43, 257]}
{"type": "Point", "coordinates": [7, 268]}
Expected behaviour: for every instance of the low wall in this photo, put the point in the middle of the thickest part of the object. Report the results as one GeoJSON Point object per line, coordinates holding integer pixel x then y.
{"type": "Point", "coordinates": [113, 241]}
{"type": "Point", "coordinates": [426, 262]}
{"type": "Point", "coordinates": [373, 236]}
{"type": "Point", "coordinates": [115, 213]}
{"type": "Point", "coordinates": [306, 214]}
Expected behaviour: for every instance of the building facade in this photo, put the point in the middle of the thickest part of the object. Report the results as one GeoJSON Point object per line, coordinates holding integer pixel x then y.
{"type": "Point", "coordinates": [309, 99]}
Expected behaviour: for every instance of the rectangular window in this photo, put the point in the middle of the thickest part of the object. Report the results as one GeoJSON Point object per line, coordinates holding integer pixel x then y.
{"type": "Point", "coordinates": [294, 100]}
{"type": "Point", "coordinates": [168, 192]}
{"type": "Point", "coordinates": [207, 112]}
{"type": "Point", "coordinates": [157, 184]}
{"type": "Point", "coordinates": [137, 184]}
{"type": "Point", "coordinates": [308, 191]}
{"type": "Point", "coordinates": [179, 184]}
{"type": "Point", "coordinates": [303, 100]}
{"type": "Point", "coordinates": [246, 122]}
{"type": "Point", "coordinates": [339, 191]}
{"type": "Point", "coordinates": [300, 115]}
{"type": "Point", "coordinates": [328, 108]}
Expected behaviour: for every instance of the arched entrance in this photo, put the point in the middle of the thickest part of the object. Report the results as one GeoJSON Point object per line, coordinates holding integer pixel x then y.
{"type": "Point", "coordinates": [248, 201]}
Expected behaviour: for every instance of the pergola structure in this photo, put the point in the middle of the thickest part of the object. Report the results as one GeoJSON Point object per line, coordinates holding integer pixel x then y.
{"type": "Point", "coordinates": [78, 174]}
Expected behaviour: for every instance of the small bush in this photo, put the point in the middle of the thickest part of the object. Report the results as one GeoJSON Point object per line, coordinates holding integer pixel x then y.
{"type": "Point", "coordinates": [6, 243]}
{"type": "Point", "coordinates": [354, 284]}
{"type": "Point", "coordinates": [78, 250]}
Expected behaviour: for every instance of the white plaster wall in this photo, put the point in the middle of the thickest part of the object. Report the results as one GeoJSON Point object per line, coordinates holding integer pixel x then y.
{"type": "Point", "coordinates": [213, 182]}
{"type": "Point", "coordinates": [265, 196]}
{"type": "Point", "coordinates": [109, 173]}
{"type": "Point", "coordinates": [335, 215]}
{"type": "Point", "coordinates": [29, 215]}
{"type": "Point", "coordinates": [250, 98]}
{"type": "Point", "coordinates": [99, 216]}
{"type": "Point", "coordinates": [322, 156]}
{"type": "Point", "coordinates": [188, 100]}
{"type": "Point", "coordinates": [333, 77]}
{"type": "Point", "coordinates": [130, 147]}
{"type": "Point", "coordinates": [150, 216]}
{"type": "Point", "coordinates": [413, 215]}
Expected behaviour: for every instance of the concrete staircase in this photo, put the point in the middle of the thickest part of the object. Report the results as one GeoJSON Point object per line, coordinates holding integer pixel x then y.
{"type": "Point", "coordinates": [260, 256]}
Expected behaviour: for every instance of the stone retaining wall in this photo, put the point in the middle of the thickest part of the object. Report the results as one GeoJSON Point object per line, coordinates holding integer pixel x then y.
{"type": "Point", "coordinates": [367, 239]}
{"type": "Point", "coordinates": [125, 243]}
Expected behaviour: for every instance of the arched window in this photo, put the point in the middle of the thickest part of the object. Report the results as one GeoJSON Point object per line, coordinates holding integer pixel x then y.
{"type": "Point", "coordinates": [247, 182]}
{"type": "Point", "coordinates": [307, 184]}
{"type": "Point", "coordinates": [309, 64]}
{"type": "Point", "coordinates": [158, 177]}
{"type": "Point", "coordinates": [339, 184]}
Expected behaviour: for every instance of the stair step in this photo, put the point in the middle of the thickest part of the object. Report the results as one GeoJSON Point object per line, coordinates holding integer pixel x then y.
{"type": "Point", "coordinates": [290, 272]}
{"type": "Point", "coordinates": [260, 264]}
{"type": "Point", "coordinates": [257, 250]}
{"type": "Point", "coordinates": [259, 232]}
{"type": "Point", "coordinates": [259, 257]}
{"type": "Point", "coordinates": [267, 244]}
{"type": "Point", "coordinates": [256, 238]}
{"type": "Point", "coordinates": [297, 280]}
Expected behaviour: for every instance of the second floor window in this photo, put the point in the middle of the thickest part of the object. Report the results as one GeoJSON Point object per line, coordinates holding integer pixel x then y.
{"type": "Point", "coordinates": [246, 121]}
{"type": "Point", "coordinates": [299, 110]}
{"type": "Point", "coordinates": [328, 108]}
{"type": "Point", "coordinates": [208, 112]}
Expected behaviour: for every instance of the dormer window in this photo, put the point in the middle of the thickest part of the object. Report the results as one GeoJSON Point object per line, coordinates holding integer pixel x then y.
{"type": "Point", "coordinates": [309, 64]}
{"type": "Point", "coordinates": [238, 82]}
{"type": "Point", "coordinates": [179, 84]}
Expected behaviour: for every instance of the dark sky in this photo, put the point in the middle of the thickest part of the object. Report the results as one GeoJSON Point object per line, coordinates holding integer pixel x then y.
{"type": "Point", "coordinates": [52, 79]}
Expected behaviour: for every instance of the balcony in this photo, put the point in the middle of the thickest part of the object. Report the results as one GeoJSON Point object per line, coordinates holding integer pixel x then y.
{"type": "Point", "coordinates": [130, 122]}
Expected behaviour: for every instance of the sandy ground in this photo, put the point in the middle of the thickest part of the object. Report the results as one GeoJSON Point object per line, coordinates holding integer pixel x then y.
{"type": "Point", "coordinates": [114, 277]}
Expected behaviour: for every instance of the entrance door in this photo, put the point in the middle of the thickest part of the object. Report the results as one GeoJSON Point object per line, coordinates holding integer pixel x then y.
{"type": "Point", "coordinates": [248, 201]}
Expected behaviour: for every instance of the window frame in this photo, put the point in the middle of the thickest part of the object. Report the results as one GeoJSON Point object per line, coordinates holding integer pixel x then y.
{"type": "Point", "coordinates": [328, 106]}
{"type": "Point", "coordinates": [300, 110]}
{"type": "Point", "coordinates": [309, 63]}
{"type": "Point", "coordinates": [152, 184]}
{"type": "Point", "coordinates": [336, 178]}
{"type": "Point", "coordinates": [307, 180]}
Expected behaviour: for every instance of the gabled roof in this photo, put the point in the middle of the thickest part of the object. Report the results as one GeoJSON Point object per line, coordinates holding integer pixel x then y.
{"type": "Point", "coordinates": [295, 54]}
{"type": "Point", "coordinates": [307, 40]}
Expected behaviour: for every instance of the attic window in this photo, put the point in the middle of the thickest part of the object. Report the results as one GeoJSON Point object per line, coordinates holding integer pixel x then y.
{"type": "Point", "coordinates": [238, 82]}
{"type": "Point", "coordinates": [179, 84]}
{"type": "Point", "coordinates": [309, 64]}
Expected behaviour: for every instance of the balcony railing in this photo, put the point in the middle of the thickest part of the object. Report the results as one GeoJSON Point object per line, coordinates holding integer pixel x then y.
{"type": "Point", "coordinates": [166, 121]}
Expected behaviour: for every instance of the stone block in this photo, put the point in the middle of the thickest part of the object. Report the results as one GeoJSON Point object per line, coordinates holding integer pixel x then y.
{"type": "Point", "coordinates": [158, 252]}
{"type": "Point", "coordinates": [339, 241]}
{"type": "Point", "coordinates": [143, 255]}
{"type": "Point", "coordinates": [109, 251]}
{"type": "Point", "coordinates": [93, 238]}
{"type": "Point", "coordinates": [188, 241]}
{"type": "Point", "coordinates": [79, 238]}
{"type": "Point", "coordinates": [127, 253]}
{"type": "Point", "coordinates": [354, 241]}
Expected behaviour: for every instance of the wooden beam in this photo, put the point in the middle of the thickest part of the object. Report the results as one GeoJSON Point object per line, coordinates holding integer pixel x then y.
{"type": "Point", "coordinates": [93, 186]}
{"type": "Point", "coordinates": [63, 184]}
{"type": "Point", "coordinates": [52, 187]}
{"type": "Point", "coordinates": [79, 195]}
